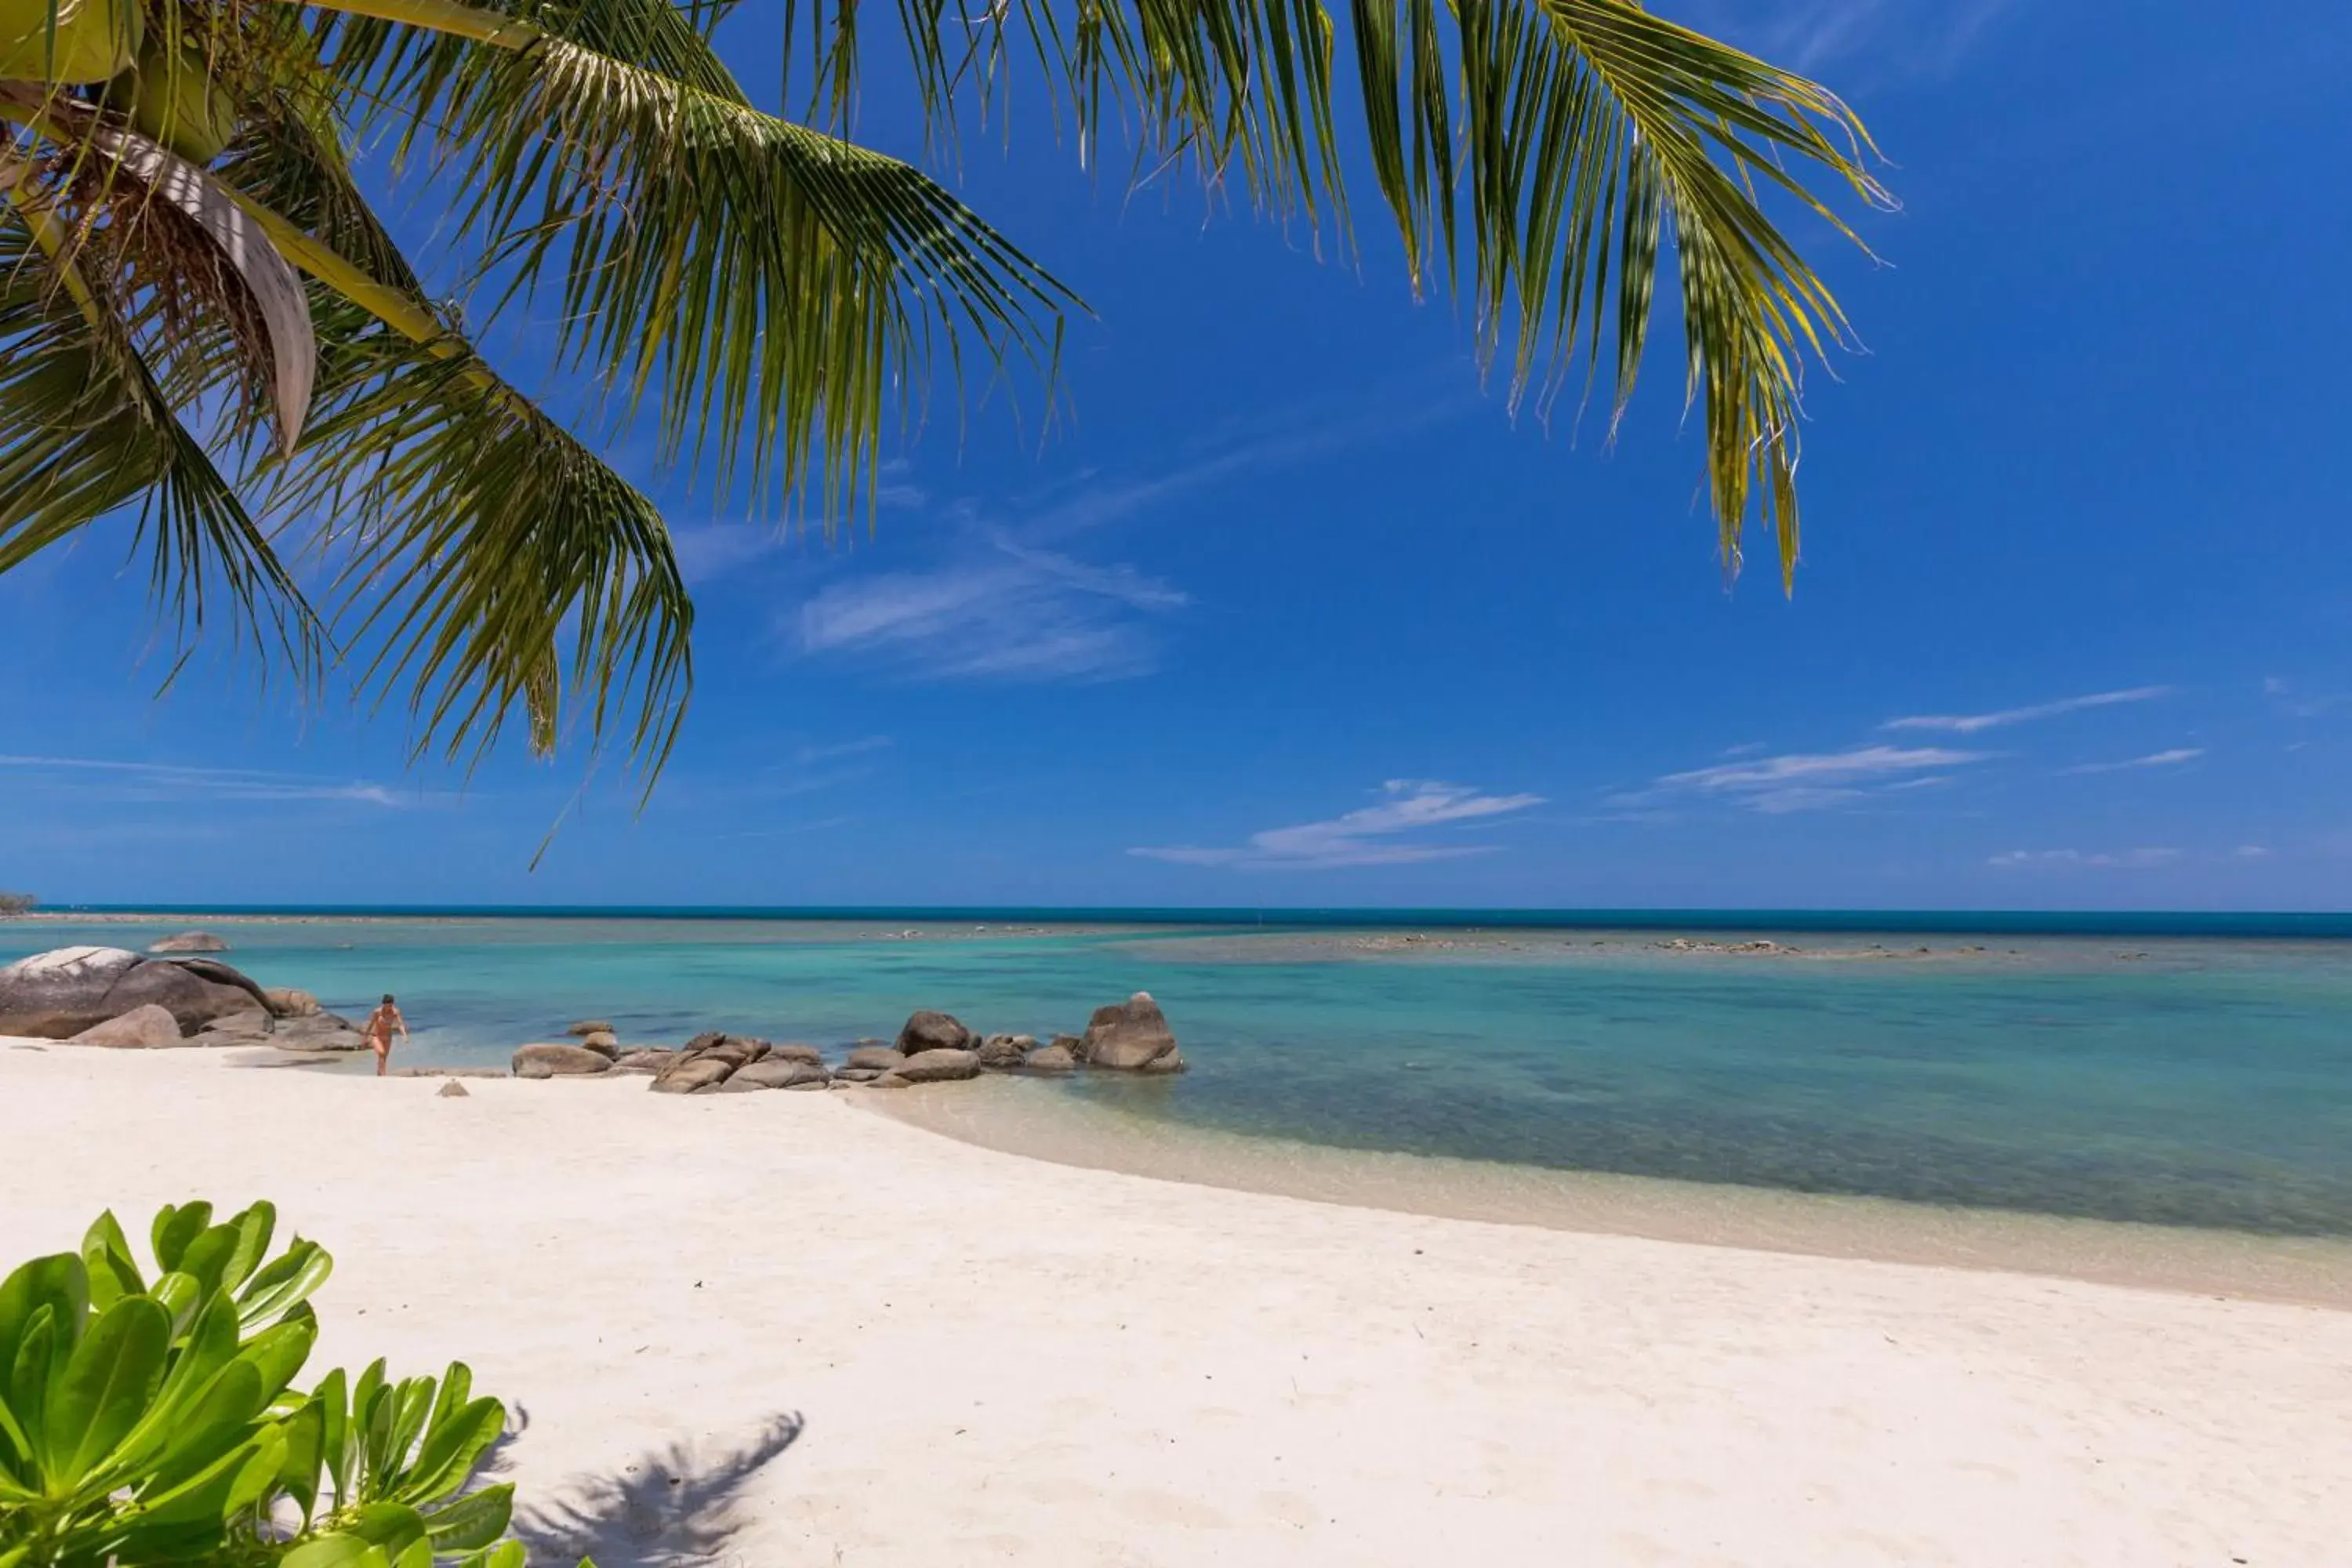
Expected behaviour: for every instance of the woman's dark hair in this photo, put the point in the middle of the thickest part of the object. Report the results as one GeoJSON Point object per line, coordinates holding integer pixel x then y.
{"type": "Point", "coordinates": [387, 998]}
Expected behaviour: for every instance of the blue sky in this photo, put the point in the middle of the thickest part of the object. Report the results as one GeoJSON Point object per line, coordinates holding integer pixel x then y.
{"type": "Point", "coordinates": [1289, 610]}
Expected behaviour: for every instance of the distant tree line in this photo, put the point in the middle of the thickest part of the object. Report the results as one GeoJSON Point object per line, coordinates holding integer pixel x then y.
{"type": "Point", "coordinates": [16, 903]}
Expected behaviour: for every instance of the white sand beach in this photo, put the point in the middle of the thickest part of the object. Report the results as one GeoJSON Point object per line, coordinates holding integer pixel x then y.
{"type": "Point", "coordinates": [977, 1357]}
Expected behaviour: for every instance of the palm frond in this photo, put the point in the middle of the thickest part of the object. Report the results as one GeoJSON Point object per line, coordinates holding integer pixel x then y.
{"type": "Point", "coordinates": [488, 564]}
{"type": "Point", "coordinates": [85, 429]}
{"type": "Point", "coordinates": [777, 289]}
{"type": "Point", "coordinates": [1584, 146]}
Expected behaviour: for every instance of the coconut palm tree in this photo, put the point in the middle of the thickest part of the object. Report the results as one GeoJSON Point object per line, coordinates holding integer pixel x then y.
{"type": "Point", "coordinates": [202, 319]}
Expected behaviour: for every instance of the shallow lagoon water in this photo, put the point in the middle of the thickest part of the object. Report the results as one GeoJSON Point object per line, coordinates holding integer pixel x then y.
{"type": "Point", "coordinates": [2200, 1082]}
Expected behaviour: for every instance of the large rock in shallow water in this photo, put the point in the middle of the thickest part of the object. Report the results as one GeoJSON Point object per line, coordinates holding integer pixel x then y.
{"type": "Point", "coordinates": [940, 1066]}
{"type": "Point", "coordinates": [559, 1061]}
{"type": "Point", "coordinates": [1132, 1036]}
{"type": "Point", "coordinates": [55, 995]}
{"type": "Point", "coordinates": [930, 1031]}
{"type": "Point", "coordinates": [191, 941]}
{"type": "Point", "coordinates": [1005, 1050]}
{"type": "Point", "coordinates": [141, 1028]}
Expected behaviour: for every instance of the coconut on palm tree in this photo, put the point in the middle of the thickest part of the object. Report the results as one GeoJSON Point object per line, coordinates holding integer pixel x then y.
{"type": "Point", "coordinates": [203, 320]}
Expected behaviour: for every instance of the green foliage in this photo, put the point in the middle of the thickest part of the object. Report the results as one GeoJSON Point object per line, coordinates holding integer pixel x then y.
{"type": "Point", "coordinates": [157, 1421]}
{"type": "Point", "coordinates": [17, 903]}
{"type": "Point", "coordinates": [773, 295]}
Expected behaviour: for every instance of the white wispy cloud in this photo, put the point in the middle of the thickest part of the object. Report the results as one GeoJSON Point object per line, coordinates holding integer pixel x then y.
{"type": "Point", "coordinates": [1366, 836]}
{"type": "Point", "coordinates": [1090, 499]}
{"type": "Point", "coordinates": [2252, 852]}
{"type": "Point", "coordinates": [2172, 758]}
{"type": "Point", "coordinates": [1804, 781]}
{"type": "Point", "coordinates": [1880, 40]}
{"type": "Point", "coordinates": [1971, 723]}
{"type": "Point", "coordinates": [2124, 859]}
{"type": "Point", "coordinates": [121, 780]}
{"type": "Point", "coordinates": [1015, 613]}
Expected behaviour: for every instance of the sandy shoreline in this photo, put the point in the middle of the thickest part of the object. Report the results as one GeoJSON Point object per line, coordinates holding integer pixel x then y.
{"type": "Point", "coordinates": [991, 1358]}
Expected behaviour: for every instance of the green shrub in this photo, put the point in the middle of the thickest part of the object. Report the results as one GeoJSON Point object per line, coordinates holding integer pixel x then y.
{"type": "Point", "coordinates": [154, 1422]}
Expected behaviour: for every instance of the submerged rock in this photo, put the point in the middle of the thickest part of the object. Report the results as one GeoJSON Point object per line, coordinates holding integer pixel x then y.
{"type": "Point", "coordinates": [190, 942]}
{"type": "Point", "coordinates": [1005, 1050]}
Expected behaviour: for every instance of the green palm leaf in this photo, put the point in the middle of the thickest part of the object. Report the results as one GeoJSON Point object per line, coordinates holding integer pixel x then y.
{"type": "Point", "coordinates": [779, 292]}
{"type": "Point", "coordinates": [775, 284]}
{"type": "Point", "coordinates": [85, 428]}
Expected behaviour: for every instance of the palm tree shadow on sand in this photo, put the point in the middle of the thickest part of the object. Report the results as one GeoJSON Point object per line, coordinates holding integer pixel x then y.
{"type": "Point", "coordinates": [675, 1507]}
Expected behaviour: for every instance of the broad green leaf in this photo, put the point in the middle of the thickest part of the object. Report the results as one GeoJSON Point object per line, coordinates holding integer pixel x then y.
{"type": "Point", "coordinates": [28, 1379]}
{"type": "Point", "coordinates": [254, 1228]}
{"type": "Point", "coordinates": [392, 1526]}
{"type": "Point", "coordinates": [504, 1555]}
{"type": "Point", "coordinates": [450, 1453]}
{"type": "Point", "coordinates": [231, 1482]}
{"type": "Point", "coordinates": [288, 1279]}
{"type": "Point", "coordinates": [218, 1421]}
{"type": "Point", "coordinates": [175, 1227]}
{"type": "Point", "coordinates": [178, 1294]}
{"type": "Point", "coordinates": [107, 1384]}
{"type": "Point", "coordinates": [473, 1521]}
{"type": "Point", "coordinates": [106, 1254]}
{"type": "Point", "coordinates": [457, 1387]}
{"type": "Point", "coordinates": [306, 1439]}
{"type": "Point", "coordinates": [211, 1344]}
{"type": "Point", "coordinates": [59, 1282]}
{"type": "Point", "coordinates": [336, 1550]}
{"type": "Point", "coordinates": [335, 1429]}
{"type": "Point", "coordinates": [278, 1352]}
{"type": "Point", "coordinates": [207, 1256]}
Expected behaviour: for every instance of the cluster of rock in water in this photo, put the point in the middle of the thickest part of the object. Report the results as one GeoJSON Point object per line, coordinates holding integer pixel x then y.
{"type": "Point", "coordinates": [933, 1047]}
{"type": "Point", "coordinates": [110, 996]}
{"type": "Point", "coordinates": [177, 996]}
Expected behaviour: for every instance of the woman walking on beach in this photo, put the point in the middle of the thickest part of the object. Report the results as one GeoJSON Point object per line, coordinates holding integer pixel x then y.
{"type": "Point", "coordinates": [380, 1025]}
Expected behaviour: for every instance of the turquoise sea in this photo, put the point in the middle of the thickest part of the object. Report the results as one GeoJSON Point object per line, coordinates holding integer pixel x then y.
{"type": "Point", "coordinates": [2188, 1072]}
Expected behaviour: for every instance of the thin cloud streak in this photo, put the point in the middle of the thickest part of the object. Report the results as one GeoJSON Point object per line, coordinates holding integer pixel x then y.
{"type": "Point", "coordinates": [1804, 781]}
{"type": "Point", "coordinates": [2173, 758]}
{"type": "Point", "coordinates": [1972, 723]}
{"type": "Point", "coordinates": [1357, 838]}
{"type": "Point", "coordinates": [2123, 860]}
{"type": "Point", "coordinates": [1021, 613]}
{"type": "Point", "coordinates": [171, 780]}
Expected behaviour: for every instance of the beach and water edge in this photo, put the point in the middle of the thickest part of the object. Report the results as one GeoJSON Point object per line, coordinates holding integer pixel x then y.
{"type": "Point", "coordinates": [2030, 1093]}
